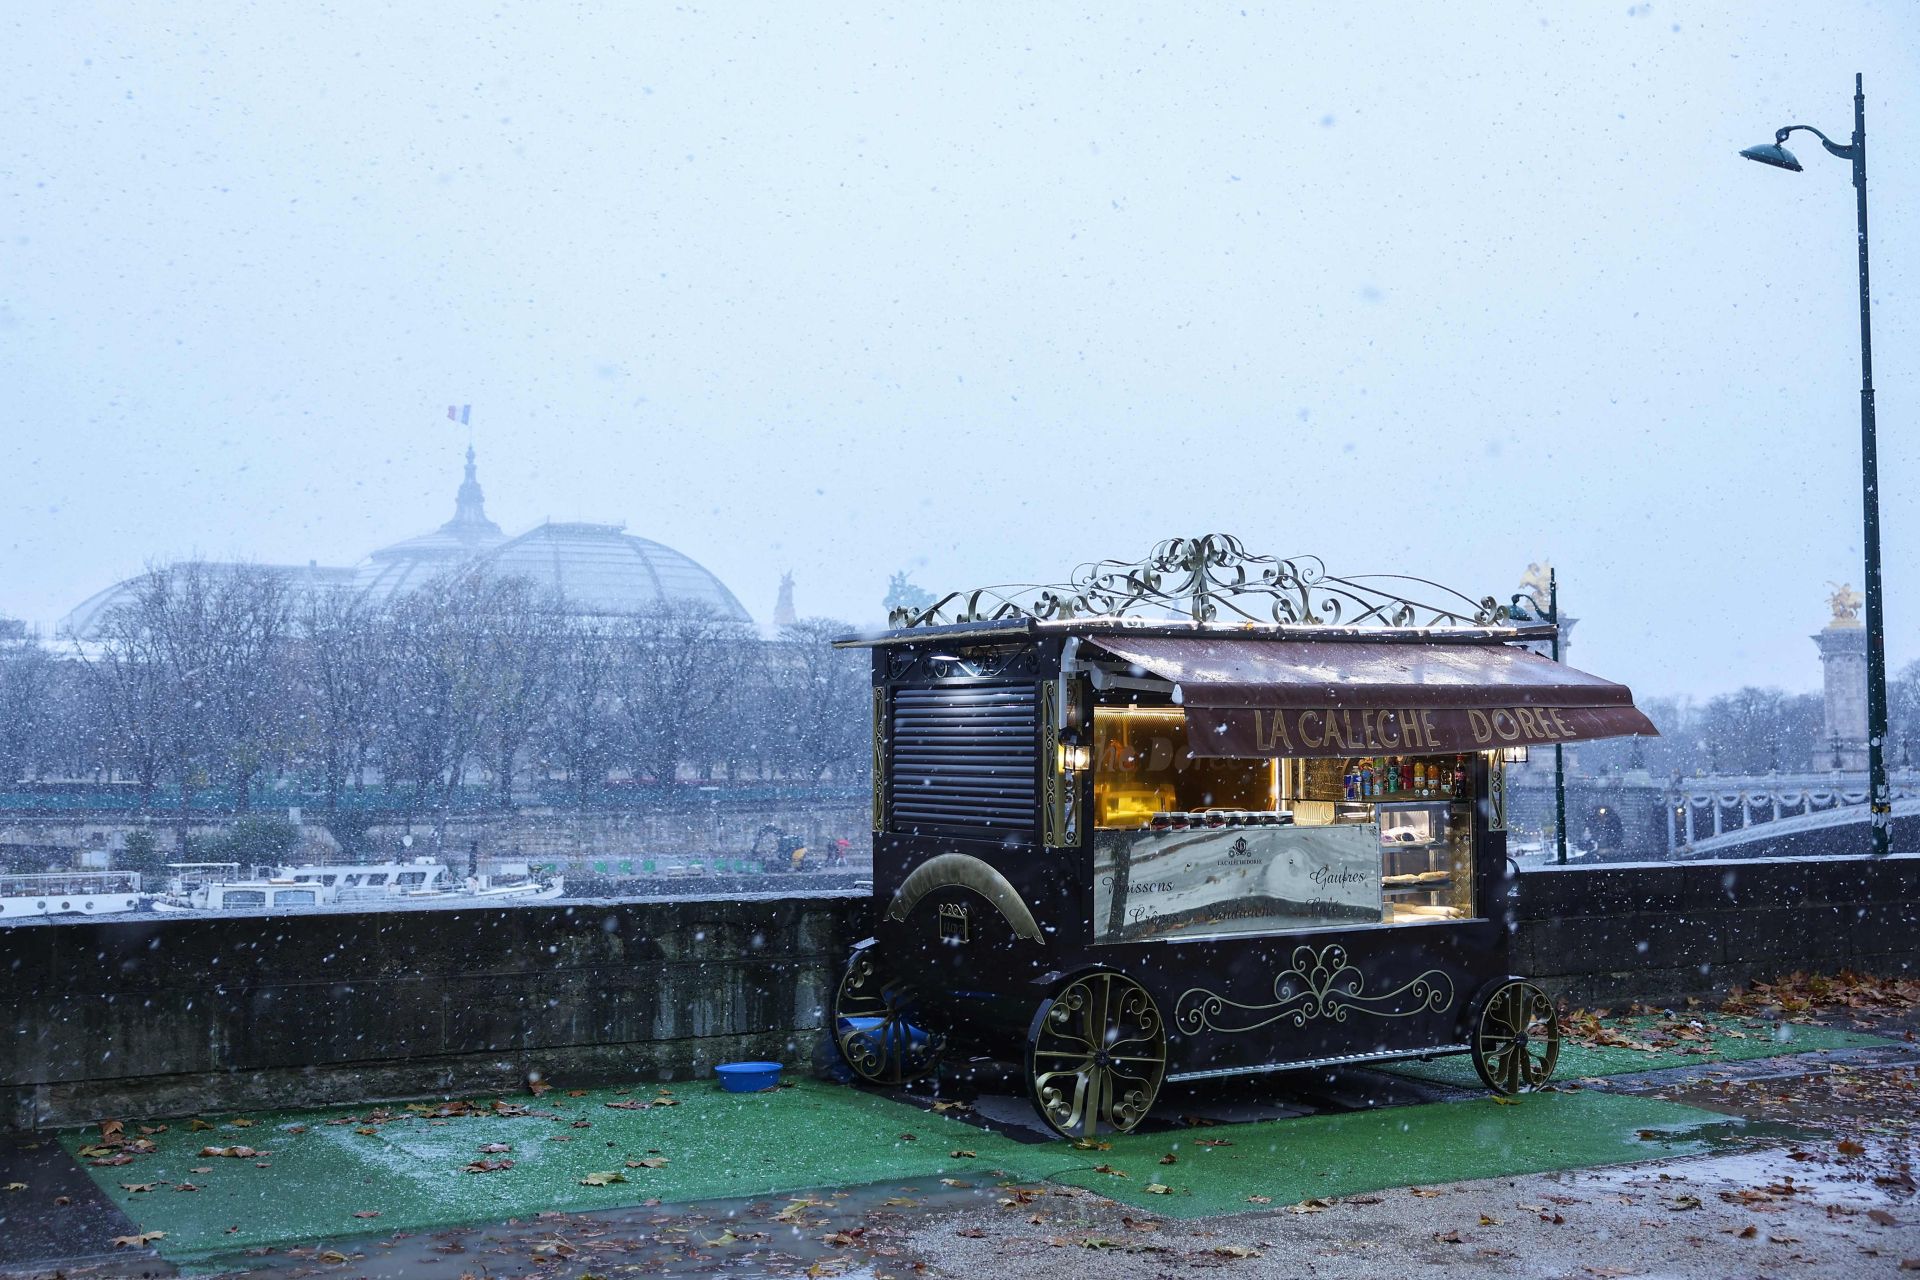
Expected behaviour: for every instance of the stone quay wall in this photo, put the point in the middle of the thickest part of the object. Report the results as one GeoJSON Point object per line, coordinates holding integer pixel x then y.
{"type": "Point", "coordinates": [1657, 931]}
{"type": "Point", "coordinates": [183, 1015]}
{"type": "Point", "coordinates": [180, 1015]}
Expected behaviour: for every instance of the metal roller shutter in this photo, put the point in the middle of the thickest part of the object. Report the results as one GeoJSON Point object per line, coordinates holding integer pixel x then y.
{"type": "Point", "coordinates": [965, 758]}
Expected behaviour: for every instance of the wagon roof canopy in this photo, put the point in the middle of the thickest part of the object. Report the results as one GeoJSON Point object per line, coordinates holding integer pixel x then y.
{"type": "Point", "coordinates": [1246, 696]}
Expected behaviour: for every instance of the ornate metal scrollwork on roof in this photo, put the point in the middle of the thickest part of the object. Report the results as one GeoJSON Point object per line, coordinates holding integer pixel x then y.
{"type": "Point", "coordinates": [1216, 579]}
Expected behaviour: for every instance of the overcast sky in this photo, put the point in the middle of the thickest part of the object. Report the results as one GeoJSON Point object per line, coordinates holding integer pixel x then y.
{"type": "Point", "coordinates": [978, 290]}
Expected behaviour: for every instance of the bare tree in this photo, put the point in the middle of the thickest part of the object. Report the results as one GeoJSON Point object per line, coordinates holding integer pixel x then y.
{"type": "Point", "coordinates": [26, 700]}
{"type": "Point", "coordinates": [676, 663]}
{"type": "Point", "coordinates": [521, 628]}
{"type": "Point", "coordinates": [579, 727]}
{"type": "Point", "coordinates": [340, 663]}
{"type": "Point", "coordinates": [1903, 697]}
{"type": "Point", "coordinates": [1757, 730]}
{"type": "Point", "coordinates": [129, 684]}
{"type": "Point", "coordinates": [213, 637]}
{"type": "Point", "coordinates": [243, 643]}
{"type": "Point", "coordinates": [819, 696]}
{"type": "Point", "coordinates": [431, 700]}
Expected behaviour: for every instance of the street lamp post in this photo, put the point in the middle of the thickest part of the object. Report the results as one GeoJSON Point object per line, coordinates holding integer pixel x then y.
{"type": "Point", "coordinates": [1879, 795]}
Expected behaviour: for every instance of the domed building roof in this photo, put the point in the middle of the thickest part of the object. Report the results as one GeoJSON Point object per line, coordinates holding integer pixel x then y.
{"type": "Point", "coordinates": [304, 582]}
{"type": "Point", "coordinates": [602, 569]}
{"type": "Point", "coordinates": [404, 566]}
{"type": "Point", "coordinates": [598, 568]}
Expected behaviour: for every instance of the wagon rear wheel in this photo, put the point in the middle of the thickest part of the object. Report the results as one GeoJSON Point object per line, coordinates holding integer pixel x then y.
{"type": "Point", "coordinates": [877, 1026]}
{"type": "Point", "coordinates": [1096, 1055]}
{"type": "Point", "coordinates": [1516, 1038]}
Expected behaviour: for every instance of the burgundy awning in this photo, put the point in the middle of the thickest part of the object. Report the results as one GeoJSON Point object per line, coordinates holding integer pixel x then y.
{"type": "Point", "coordinates": [1248, 697]}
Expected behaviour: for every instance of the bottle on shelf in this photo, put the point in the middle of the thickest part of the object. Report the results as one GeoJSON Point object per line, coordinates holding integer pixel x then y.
{"type": "Point", "coordinates": [1368, 780]}
{"type": "Point", "coordinates": [1420, 777]}
{"type": "Point", "coordinates": [1394, 780]}
{"type": "Point", "coordinates": [1352, 780]}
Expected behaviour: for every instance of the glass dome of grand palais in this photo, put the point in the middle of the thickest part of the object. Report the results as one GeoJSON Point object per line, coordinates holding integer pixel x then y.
{"type": "Point", "coordinates": [600, 569]}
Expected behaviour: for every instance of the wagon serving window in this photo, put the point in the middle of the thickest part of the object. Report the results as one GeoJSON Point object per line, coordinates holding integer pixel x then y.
{"type": "Point", "coordinates": [1187, 845]}
{"type": "Point", "coordinates": [1268, 788]}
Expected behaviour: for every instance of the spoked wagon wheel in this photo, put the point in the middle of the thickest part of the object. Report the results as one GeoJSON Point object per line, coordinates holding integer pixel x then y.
{"type": "Point", "coordinates": [1516, 1038]}
{"type": "Point", "coordinates": [1096, 1054]}
{"type": "Point", "coordinates": [876, 1026]}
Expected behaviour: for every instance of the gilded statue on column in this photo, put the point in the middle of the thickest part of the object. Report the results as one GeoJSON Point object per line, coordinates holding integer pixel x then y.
{"type": "Point", "coordinates": [1845, 602]}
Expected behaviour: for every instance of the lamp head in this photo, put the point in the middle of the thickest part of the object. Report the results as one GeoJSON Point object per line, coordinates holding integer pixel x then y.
{"type": "Point", "coordinates": [1774, 154]}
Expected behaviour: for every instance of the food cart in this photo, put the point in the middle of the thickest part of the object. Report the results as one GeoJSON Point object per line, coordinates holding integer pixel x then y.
{"type": "Point", "coordinates": [1205, 815]}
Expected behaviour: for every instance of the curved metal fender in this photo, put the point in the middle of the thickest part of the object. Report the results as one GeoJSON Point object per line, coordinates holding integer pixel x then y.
{"type": "Point", "coordinates": [961, 870]}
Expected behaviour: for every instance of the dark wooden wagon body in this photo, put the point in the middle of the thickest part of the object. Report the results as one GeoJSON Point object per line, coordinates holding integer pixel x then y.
{"type": "Point", "coordinates": [1123, 852]}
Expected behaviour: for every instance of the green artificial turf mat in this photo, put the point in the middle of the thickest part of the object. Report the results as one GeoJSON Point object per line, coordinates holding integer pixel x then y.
{"type": "Point", "coordinates": [409, 1168]}
{"type": "Point", "coordinates": [1729, 1040]}
{"type": "Point", "coordinates": [1288, 1161]}
{"type": "Point", "coordinates": [325, 1167]}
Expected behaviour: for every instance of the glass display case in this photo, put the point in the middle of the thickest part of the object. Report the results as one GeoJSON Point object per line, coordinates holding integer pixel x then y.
{"type": "Point", "coordinates": [1425, 860]}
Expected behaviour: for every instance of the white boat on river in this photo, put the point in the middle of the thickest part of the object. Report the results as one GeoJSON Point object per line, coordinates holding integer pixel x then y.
{"type": "Point", "coordinates": [420, 881]}
{"type": "Point", "coordinates": [82, 893]}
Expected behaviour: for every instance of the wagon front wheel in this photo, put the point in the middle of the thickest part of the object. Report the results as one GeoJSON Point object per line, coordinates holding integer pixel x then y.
{"type": "Point", "coordinates": [1516, 1038]}
{"type": "Point", "coordinates": [1096, 1055]}
{"type": "Point", "coordinates": [877, 1026]}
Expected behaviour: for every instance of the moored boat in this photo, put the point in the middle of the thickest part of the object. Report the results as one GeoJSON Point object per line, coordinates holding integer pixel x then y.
{"type": "Point", "coordinates": [87, 893]}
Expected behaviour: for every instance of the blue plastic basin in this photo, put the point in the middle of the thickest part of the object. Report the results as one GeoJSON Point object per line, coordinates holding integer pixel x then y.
{"type": "Point", "coordinates": [748, 1077]}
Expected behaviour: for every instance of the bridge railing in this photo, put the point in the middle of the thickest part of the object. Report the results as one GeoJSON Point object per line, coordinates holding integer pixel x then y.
{"type": "Point", "coordinates": [1701, 808]}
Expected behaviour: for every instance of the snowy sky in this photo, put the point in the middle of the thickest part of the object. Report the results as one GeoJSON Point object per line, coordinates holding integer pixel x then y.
{"type": "Point", "coordinates": [977, 290]}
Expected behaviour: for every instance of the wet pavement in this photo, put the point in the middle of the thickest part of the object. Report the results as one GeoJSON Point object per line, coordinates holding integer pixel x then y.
{"type": "Point", "coordinates": [1795, 1165]}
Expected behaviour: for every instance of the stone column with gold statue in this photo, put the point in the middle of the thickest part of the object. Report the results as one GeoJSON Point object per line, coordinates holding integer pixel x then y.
{"type": "Point", "coordinates": [1843, 654]}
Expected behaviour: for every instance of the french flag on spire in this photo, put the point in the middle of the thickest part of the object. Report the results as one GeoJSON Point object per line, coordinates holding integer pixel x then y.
{"type": "Point", "coordinates": [458, 413]}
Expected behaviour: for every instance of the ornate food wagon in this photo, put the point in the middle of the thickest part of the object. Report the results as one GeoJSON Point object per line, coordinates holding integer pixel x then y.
{"type": "Point", "coordinates": [1207, 815]}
